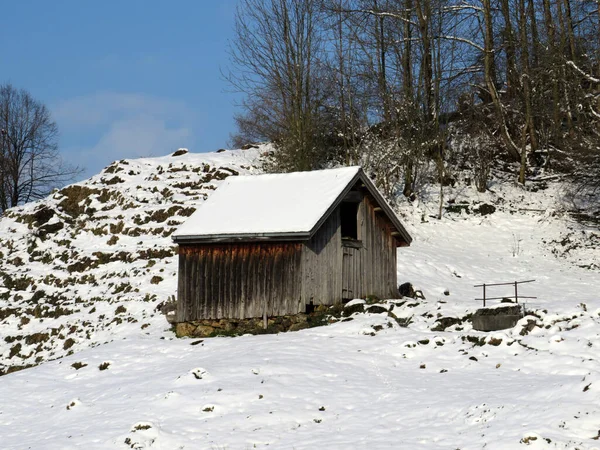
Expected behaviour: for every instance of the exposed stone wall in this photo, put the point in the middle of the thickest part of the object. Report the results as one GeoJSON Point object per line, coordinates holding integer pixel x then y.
{"type": "Point", "coordinates": [206, 328]}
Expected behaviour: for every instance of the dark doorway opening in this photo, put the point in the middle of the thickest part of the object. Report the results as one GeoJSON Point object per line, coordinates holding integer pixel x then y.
{"type": "Point", "coordinates": [349, 219]}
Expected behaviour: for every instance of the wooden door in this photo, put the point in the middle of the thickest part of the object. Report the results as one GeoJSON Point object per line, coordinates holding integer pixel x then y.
{"type": "Point", "coordinates": [350, 272]}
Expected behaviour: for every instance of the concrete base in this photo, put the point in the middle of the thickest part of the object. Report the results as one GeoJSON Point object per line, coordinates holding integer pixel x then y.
{"type": "Point", "coordinates": [493, 319]}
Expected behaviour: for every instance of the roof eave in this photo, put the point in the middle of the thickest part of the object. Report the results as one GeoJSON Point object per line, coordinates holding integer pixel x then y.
{"type": "Point", "coordinates": [249, 237]}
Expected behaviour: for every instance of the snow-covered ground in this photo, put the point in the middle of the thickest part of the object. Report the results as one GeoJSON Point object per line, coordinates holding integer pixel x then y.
{"type": "Point", "coordinates": [366, 382]}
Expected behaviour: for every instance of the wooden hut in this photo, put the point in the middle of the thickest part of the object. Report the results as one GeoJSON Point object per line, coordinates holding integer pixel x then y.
{"type": "Point", "coordinates": [272, 245]}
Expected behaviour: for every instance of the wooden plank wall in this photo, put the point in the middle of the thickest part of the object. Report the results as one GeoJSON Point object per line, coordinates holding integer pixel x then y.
{"type": "Point", "coordinates": [238, 281]}
{"type": "Point", "coordinates": [322, 264]}
{"type": "Point", "coordinates": [371, 270]}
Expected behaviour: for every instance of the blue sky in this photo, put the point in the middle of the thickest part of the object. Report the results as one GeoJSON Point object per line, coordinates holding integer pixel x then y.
{"type": "Point", "coordinates": [123, 79]}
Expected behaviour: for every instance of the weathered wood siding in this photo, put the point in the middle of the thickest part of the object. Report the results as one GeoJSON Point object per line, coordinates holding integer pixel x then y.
{"type": "Point", "coordinates": [370, 269]}
{"type": "Point", "coordinates": [322, 264]}
{"type": "Point", "coordinates": [244, 280]}
{"type": "Point", "coordinates": [238, 281]}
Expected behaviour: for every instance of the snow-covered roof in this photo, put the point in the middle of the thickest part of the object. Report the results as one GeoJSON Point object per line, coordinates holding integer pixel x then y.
{"type": "Point", "coordinates": [291, 205]}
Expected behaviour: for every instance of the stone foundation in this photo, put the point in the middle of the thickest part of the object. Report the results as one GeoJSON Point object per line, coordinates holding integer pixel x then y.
{"type": "Point", "coordinates": [235, 327]}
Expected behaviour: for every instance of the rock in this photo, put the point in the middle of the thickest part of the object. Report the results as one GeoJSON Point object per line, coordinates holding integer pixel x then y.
{"type": "Point", "coordinates": [527, 328]}
{"type": "Point", "coordinates": [203, 331]}
{"type": "Point", "coordinates": [321, 308]}
{"type": "Point", "coordinates": [406, 290]}
{"type": "Point", "coordinates": [495, 342]}
{"type": "Point", "coordinates": [356, 308]}
{"type": "Point", "coordinates": [50, 228]}
{"type": "Point", "coordinates": [298, 326]}
{"type": "Point", "coordinates": [486, 209]}
{"type": "Point", "coordinates": [444, 322]}
{"type": "Point", "coordinates": [179, 152]}
{"type": "Point", "coordinates": [230, 326]}
{"type": "Point", "coordinates": [376, 309]}
{"type": "Point", "coordinates": [184, 329]}
{"type": "Point", "coordinates": [458, 208]}
{"type": "Point", "coordinates": [276, 328]}
{"type": "Point", "coordinates": [299, 318]}
{"type": "Point", "coordinates": [43, 215]}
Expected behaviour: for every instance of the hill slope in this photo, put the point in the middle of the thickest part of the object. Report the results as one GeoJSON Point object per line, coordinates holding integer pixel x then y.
{"type": "Point", "coordinates": [94, 261]}
{"type": "Point", "coordinates": [424, 381]}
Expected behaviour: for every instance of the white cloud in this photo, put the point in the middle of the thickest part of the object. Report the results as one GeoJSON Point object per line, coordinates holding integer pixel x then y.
{"type": "Point", "coordinates": [106, 126]}
{"type": "Point", "coordinates": [137, 137]}
{"type": "Point", "coordinates": [105, 107]}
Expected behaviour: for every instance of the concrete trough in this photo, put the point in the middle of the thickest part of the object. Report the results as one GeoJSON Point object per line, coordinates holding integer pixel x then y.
{"type": "Point", "coordinates": [496, 318]}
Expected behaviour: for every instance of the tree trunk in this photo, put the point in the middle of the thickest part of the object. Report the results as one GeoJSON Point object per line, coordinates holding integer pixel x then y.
{"type": "Point", "coordinates": [569, 29]}
{"type": "Point", "coordinates": [423, 9]}
{"type": "Point", "coordinates": [535, 40]}
{"type": "Point", "coordinates": [562, 51]}
{"type": "Point", "coordinates": [529, 123]}
{"type": "Point", "coordinates": [489, 76]}
{"type": "Point", "coordinates": [554, 60]}
{"type": "Point", "coordinates": [512, 76]}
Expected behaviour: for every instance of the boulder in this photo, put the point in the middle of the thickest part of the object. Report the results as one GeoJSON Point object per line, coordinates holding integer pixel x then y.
{"type": "Point", "coordinates": [43, 215]}
{"type": "Point", "coordinates": [298, 326]}
{"type": "Point", "coordinates": [184, 329]}
{"type": "Point", "coordinates": [375, 309]}
{"type": "Point", "coordinates": [444, 322]}
{"type": "Point", "coordinates": [299, 318]}
{"type": "Point", "coordinates": [203, 331]}
{"type": "Point", "coordinates": [486, 209]}
{"type": "Point", "coordinates": [355, 308]}
{"type": "Point", "coordinates": [50, 228]}
{"type": "Point", "coordinates": [406, 290]}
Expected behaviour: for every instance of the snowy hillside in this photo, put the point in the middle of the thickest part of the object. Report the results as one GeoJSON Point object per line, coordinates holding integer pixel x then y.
{"type": "Point", "coordinates": [404, 374]}
{"type": "Point", "coordinates": [94, 261]}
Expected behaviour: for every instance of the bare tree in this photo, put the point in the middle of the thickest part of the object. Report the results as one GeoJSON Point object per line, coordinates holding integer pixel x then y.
{"type": "Point", "coordinates": [30, 164]}
{"type": "Point", "coordinates": [275, 56]}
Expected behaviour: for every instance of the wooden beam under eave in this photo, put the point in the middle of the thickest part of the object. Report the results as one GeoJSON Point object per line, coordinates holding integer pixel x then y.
{"type": "Point", "coordinates": [353, 197]}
